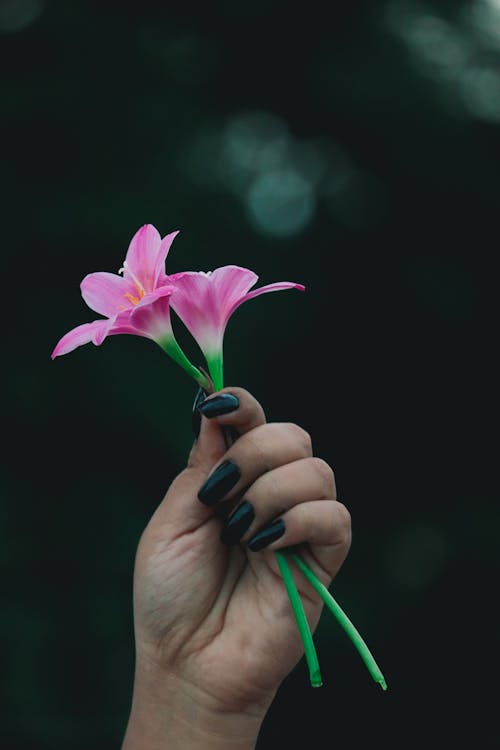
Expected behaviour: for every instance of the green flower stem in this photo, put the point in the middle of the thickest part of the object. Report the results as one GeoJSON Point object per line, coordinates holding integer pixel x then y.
{"type": "Point", "coordinates": [302, 624]}
{"type": "Point", "coordinates": [215, 368]}
{"type": "Point", "coordinates": [172, 348]}
{"type": "Point", "coordinates": [343, 621]}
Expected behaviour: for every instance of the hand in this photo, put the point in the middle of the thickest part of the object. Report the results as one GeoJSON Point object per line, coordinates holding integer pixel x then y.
{"type": "Point", "coordinates": [214, 629]}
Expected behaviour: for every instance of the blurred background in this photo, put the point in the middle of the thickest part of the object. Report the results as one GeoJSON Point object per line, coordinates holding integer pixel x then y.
{"type": "Point", "coordinates": [352, 147]}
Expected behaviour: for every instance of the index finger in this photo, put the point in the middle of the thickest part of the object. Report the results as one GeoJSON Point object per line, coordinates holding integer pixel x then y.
{"type": "Point", "coordinates": [230, 411]}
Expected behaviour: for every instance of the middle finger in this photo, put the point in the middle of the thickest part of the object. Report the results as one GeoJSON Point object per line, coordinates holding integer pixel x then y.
{"type": "Point", "coordinates": [276, 492]}
{"type": "Point", "coordinates": [262, 449]}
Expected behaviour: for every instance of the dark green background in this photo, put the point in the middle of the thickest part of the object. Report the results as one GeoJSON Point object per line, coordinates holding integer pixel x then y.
{"type": "Point", "coordinates": [384, 119]}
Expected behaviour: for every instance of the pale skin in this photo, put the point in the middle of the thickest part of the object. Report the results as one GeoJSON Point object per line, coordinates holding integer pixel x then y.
{"type": "Point", "coordinates": [214, 630]}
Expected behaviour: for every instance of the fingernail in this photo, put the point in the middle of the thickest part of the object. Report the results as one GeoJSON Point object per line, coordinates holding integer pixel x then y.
{"type": "Point", "coordinates": [219, 483]}
{"type": "Point", "coordinates": [195, 416]}
{"type": "Point", "coordinates": [237, 523]}
{"type": "Point", "coordinates": [267, 535]}
{"type": "Point", "coordinates": [215, 406]}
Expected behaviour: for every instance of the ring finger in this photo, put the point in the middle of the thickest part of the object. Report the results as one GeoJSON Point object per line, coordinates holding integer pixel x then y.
{"type": "Point", "coordinates": [274, 493]}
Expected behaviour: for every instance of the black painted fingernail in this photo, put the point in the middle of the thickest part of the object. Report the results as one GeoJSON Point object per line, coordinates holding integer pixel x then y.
{"type": "Point", "coordinates": [219, 483]}
{"type": "Point", "coordinates": [195, 416]}
{"type": "Point", "coordinates": [267, 535]}
{"type": "Point", "coordinates": [237, 523]}
{"type": "Point", "coordinates": [215, 406]}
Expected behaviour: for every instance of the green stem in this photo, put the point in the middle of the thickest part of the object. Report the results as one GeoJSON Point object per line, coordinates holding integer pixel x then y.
{"type": "Point", "coordinates": [301, 620]}
{"type": "Point", "coordinates": [215, 368]}
{"type": "Point", "coordinates": [172, 348]}
{"type": "Point", "coordinates": [343, 621]}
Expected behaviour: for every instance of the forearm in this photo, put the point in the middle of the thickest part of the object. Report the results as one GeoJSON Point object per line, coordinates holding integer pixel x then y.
{"type": "Point", "coordinates": [167, 714]}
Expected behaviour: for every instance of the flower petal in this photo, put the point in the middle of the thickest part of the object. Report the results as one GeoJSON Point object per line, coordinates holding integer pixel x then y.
{"type": "Point", "coordinates": [146, 256]}
{"type": "Point", "coordinates": [276, 287]}
{"type": "Point", "coordinates": [161, 257]}
{"type": "Point", "coordinates": [202, 300]}
{"type": "Point", "coordinates": [205, 301]}
{"type": "Point", "coordinates": [106, 293]}
{"type": "Point", "coordinates": [230, 284]}
{"type": "Point", "coordinates": [151, 317]}
{"type": "Point", "coordinates": [198, 308]}
{"type": "Point", "coordinates": [162, 291]}
{"type": "Point", "coordinates": [95, 332]}
{"type": "Point", "coordinates": [153, 322]}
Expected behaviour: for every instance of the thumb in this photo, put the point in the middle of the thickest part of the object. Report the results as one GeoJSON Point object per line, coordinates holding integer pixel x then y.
{"type": "Point", "coordinates": [181, 506]}
{"type": "Point", "coordinates": [180, 509]}
{"type": "Point", "coordinates": [211, 439]}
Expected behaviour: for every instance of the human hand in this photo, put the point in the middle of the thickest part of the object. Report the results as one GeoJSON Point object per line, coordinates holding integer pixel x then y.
{"type": "Point", "coordinates": [215, 633]}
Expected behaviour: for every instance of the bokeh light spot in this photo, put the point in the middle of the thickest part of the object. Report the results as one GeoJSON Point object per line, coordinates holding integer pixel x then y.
{"type": "Point", "coordinates": [255, 141]}
{"type": "Point", "coordinates": [280, 203]}
{"type": "Point", "coordinates": [438, 43]}
{"type": "Point", "coordinates": [484, 16]}
{"type": "Point", "coordinates": [460, 53]}
{"type": "Point", "coordinates": [16, 15]}
{"type": "Point", "coordinates": [480, 89]}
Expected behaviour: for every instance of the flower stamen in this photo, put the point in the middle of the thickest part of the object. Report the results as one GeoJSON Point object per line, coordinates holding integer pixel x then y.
{"type": "Point", "coordinates": [140, 289]}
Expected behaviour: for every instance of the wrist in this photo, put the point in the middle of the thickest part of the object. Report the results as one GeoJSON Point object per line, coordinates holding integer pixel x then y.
{"type": "Point", "coordinates": [169, 712]}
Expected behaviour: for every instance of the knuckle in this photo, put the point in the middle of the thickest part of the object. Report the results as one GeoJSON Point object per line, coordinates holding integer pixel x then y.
{"type": "Point", "coordinates": [249, 407]}
{"type": "Point", "coordinates": [325, 472]}
{"type": "Point", "coordinates": [344, 524]}
{"type": "Point", "coordinates": [300, 437]}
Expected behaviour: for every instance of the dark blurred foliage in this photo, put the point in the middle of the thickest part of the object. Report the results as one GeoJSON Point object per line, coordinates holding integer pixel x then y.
{"type": "Point", "coordinates": [353, 147]}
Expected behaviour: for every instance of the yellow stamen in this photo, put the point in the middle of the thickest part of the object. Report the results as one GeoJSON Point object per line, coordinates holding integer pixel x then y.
{"type": "Point", "coordinates": [133, 300]}
{"type": "Point", "coordinates": [140, 289]}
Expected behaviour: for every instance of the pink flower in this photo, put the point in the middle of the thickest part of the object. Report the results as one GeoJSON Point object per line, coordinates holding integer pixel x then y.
{"type": "Point", "coordinates": [136, 302]}
{"type": "Point", "coordinates": [139, 301]}
{"type": "Point", "coordinates": [205, 302]}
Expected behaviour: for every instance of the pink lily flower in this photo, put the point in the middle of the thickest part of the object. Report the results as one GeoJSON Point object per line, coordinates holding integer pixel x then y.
{"type": "Point", "coordinates": [136, 302]}
{"type": "Point", "coordinates": [205, 301]}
